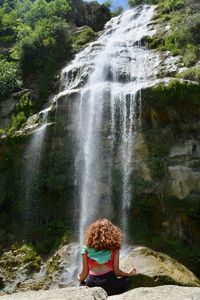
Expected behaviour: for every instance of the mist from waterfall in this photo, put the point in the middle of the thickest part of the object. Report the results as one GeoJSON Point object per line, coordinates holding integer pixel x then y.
{"type": "Point", "coordinates": [107, 76]}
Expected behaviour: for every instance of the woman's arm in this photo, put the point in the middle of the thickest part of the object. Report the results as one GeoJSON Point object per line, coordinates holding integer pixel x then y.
{"type": "Point", "coordinates": [117, 270]}
{"type": "Point", "coordinates": [84, 274]}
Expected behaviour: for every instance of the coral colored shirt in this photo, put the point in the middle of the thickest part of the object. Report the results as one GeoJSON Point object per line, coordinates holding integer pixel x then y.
{"type": "Point", "coordinates": [96, 257]}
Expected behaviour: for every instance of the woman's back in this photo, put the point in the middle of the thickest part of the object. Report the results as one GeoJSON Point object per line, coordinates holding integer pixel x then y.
{"type": "Point", "coordinates": [99, 261]}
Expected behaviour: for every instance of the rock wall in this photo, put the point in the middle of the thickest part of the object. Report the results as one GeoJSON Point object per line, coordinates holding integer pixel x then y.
{"type": "Point", "coordinates": [166, 177]}
{"type": "Point", "coordinates": [92, 14]}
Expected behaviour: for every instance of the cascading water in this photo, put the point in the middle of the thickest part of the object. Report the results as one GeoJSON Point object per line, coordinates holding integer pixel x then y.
{"type": "Point", "coordinates": [98, 110]}
{"type": "Point", "coordinates": [107, 76]}
{"type": "Point", "coordinates": [31, 170]}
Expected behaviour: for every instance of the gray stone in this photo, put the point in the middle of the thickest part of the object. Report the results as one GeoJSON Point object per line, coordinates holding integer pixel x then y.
{"type": "Point", "coordinates": [157, 266]}
{"type": "Point", "coordinates": [183, 181]}
{"type": "Point", "coordinates": [6, 108]}
{"type": "Point", "coordinates": [167, 292]}
{"type": "Point", "coordinates": [78, 293]}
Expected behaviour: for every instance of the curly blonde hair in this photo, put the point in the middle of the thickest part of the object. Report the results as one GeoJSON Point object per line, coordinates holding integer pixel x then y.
{"type": "Point", "coordinates": [102, 234]}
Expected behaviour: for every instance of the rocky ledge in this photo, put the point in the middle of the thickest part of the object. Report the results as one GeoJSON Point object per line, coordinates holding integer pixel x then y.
{"type": "Point", "coordinates": [167, 292]}
{"type": "Point", "coordinates": [157, 293]}
{"type": "Point", "coordinates": [18, 274]}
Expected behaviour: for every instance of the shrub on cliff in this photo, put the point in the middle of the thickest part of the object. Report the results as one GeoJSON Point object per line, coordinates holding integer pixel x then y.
{"type": "Point", "coordinates": [41, 52]}
{"type": "Point", "coordinates": [183, 37]}
{"type": "Point", "coordinates": [49, 43]}
{"type": "Point", "coordinates": [41, 38]}
{"type": "Point", "coordinates": [8, 78]}
{"type": "Point", "coordinates": [191, 74]}
{"type": "Point", "coordinates": [23, 110]}
{"type": "Point", "coordinates": [167, 5]}
{"type": "Point", "coordinates": [83, 37]}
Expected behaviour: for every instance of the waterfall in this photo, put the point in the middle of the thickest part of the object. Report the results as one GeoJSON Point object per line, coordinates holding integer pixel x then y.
{"type": "Point", "coordinates": [31, 170]}
{"type": "Point", "coordinates": [106, 77]}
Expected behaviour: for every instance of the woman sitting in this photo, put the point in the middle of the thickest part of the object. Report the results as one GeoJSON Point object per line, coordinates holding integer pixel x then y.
{"type": "Point", "coordinates": [100, 258]}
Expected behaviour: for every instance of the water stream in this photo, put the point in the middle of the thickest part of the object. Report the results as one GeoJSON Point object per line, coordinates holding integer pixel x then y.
{"type": "Point", "coordinates": [31, 171]}
{"type": "Point", "coordinates": [108, 75]}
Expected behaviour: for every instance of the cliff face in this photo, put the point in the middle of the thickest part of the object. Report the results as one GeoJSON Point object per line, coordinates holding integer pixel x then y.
{"type": "Point", "coordinates": [92, 14]}
{"type": "Point", "coordinates": [167, 157]}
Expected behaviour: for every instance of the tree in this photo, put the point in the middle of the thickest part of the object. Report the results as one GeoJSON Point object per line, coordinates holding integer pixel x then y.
{"type": "Point", "coordinates": [8, 78]}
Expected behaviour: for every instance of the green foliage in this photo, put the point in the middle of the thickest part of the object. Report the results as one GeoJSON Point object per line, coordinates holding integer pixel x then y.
{"type": "Point", "coordinates": [25, 105]}
{"type": "Point", "coordinates": [30, 12]}
{"type": "Point", "coordinates": [183, 37]}
{"type": "Point", "coordinates": [23, 110]}
{"type": "Point", "coordinates": [2, 131]}
{"type": "Point", "coordinates": [174, 93]}
{"type": "Point", "coordinates": [8, 78]}
{"type": "Point", "coordinates": [48, 43]}
{"type": "Point", "coordinates": [31, 257]}
{"type": "Point", "coordinates": [168, 6]}
{"type": "Point", "coordinates": [30, 253]}
{"type": "Point", "coordinates": [165, 5]}
{"type": "Point", "coordinates": [191, 74]}
{"type": "Point", "coordinates": [16, 122]}
{"type": "Point", "coordinates": [42, 9]}
{"type": "Point", "coordinates": [40, 40]}
{"type": "Point", "coordinates": [82, 38]}
{"type": "Point", "coordinates": [190, 55]}
{"type": "Point", "coordinates": [42, 51]}
{"type": "Point", "coordinates": [133, 3]}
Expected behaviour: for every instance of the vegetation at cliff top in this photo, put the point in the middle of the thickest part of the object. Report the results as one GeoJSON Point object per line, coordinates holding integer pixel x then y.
{"type": "Point", "coordinates": [174, 93]}
{"type": "Point", "coordinates": [34, 42]}
{"type": "Point", "coordinates": [183, 37]}
{"type": "Point", "coordinates": [165, 4]}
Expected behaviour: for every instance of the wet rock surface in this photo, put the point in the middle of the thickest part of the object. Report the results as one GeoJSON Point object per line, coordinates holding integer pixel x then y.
{"type": "Point", "coordinates": [19, 272]}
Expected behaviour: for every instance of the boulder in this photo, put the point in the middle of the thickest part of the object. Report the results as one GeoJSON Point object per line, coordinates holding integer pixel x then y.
{"type": "Point", "coordinates": [78, 293]}
{"type": "Point", "coordinates": [160, 293]}
{"type": "Point", "coordinates": [156, 268]}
